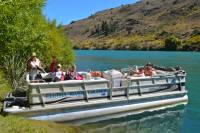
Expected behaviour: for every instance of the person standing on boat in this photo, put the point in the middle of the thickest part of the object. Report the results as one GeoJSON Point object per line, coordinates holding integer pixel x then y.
{"type": "Point", "coordinates": [53, 64]}
{"type": "Point", "coordinates": [33, 66]}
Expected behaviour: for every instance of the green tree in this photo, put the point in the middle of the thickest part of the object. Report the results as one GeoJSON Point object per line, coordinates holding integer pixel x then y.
{"type": "Point", "coordinates": [172, 43]}
{"type": "Point", "coordinates": [23, 29]}
{"type": "Point", "coordinates": [59, 45]}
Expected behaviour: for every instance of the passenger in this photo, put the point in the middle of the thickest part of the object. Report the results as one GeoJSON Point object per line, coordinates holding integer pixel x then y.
{"type": "Point", "coordinates": [140, 73]}
{"type": "Point", "coordinates": [34, 66]}
{"type": "Point", "coordinates": [149, 71]}
{"type": "Point", "coordinates": [53, 64]}
{"type": "Point", "coordinates": [72, 74]}
{"type": "Point", "coordinates": [153, 72]}
{"type": "Point", "coordinates": [96, 74]}
{"type": "Point", "coordinates": [59, 75]}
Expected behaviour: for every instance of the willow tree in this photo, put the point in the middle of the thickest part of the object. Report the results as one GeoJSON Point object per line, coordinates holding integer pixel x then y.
{"type": "Point", "coordinates": [23, 29]}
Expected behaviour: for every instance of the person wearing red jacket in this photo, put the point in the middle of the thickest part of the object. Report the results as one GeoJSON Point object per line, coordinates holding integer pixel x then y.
{"type": "Point", "coordinates": [53, 64]}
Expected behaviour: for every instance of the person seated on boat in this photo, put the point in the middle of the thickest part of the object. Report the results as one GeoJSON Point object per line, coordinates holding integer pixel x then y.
{"type": "Point", "coordinates": [96, 74]}
{"type": "Point", "coordinates": [53, 64]}
{"type": "Point", "coordinates": [139, 73]}
{"type": "Point", "coordinates": [71, 74]}
{"type": "Point", "coordinates": [59, 75]}
{"type": "Point", "coordinates": [149, 71]}
{"type": "Point", "coordinates": [34, 67]}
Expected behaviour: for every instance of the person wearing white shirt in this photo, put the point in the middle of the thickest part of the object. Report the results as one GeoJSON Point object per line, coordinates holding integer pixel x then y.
{"type": "Point", "coordinates": [34, 65]}
{"type": "Point", "coordinates": [59, 75]}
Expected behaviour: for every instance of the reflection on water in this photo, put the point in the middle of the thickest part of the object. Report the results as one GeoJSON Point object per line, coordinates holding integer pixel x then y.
{"type": "Point", "coordinates": [163, 121]}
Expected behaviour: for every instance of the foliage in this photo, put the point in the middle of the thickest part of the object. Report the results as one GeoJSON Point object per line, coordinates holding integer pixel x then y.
{"type": "Point", "coordinates": [193, 43]}
{"type": "Point", "coordinates": [58, 44]}
{"type": "Point", "coordinates": [24, 30]}
{"type": "Point", "coordinates": [102, 28]}
{"type": "Point", "coordinates": [4, 87]}
{"type": "Point", "coordinates": [131, 42]}
{"type": "Point", "coordinates": [135, 46]}
{"type": "Point", "coordinates": [172, 43]}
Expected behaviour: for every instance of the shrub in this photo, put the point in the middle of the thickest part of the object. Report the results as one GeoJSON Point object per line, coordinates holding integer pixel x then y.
{"type": "Point", "coordinates": [135, 46]}
{"type": "Point", "coordinates": [193, 43]}
{"type": "Point", "coordinates": [172, 43]}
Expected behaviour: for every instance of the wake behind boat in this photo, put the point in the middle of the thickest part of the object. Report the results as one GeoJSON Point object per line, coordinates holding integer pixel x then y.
{"type": "Point", "coordinates": [115, 91]}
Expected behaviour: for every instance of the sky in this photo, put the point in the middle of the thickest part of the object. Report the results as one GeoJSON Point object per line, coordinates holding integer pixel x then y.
{"type": "Point", "coordinates": [65, 11]}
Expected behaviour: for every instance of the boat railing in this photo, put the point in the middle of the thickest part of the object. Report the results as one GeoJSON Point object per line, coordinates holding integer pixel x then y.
{"type": "Point", "coordinates": [85, 90]}
{"type": "Point", "coordinates": [166, 71]}
{"type": "Point", "coordinates": [139, 83]}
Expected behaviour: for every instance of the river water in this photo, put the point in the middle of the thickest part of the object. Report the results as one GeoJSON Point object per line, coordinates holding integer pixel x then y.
{"type": "Point", "coordinates": [173, 120]}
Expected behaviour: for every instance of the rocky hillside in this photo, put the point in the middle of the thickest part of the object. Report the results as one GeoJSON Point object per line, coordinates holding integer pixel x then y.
{"type": "Point", "coordinates": [144, 25]}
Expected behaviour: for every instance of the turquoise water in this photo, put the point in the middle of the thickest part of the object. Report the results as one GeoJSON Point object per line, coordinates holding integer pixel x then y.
{"type": "Point", "coordinates": [186, 120]}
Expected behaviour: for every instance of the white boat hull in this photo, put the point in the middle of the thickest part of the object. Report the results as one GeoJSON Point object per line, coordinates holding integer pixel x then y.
{"type": "Point", "coordinates": [138, 108]}
{"type": "Point", "coordinates": [92, 109]}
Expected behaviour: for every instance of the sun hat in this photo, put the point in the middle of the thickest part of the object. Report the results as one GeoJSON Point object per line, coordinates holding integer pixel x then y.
{"type": "Point", "coordinates": [59, 65]}
{"type": "Point", "coordinates": [33, 54]}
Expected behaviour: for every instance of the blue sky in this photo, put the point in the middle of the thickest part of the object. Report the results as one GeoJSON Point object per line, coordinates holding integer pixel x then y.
{"type": "Point", "coordinates": [65, 11]}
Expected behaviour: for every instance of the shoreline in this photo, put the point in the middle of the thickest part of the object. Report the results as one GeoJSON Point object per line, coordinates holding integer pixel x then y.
{"type": "Point", "coordinates": [128, 50]}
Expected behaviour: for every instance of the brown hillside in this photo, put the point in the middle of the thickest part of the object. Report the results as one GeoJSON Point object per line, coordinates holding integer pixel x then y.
{"type": "Point", "coordinates": [145, 24]}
